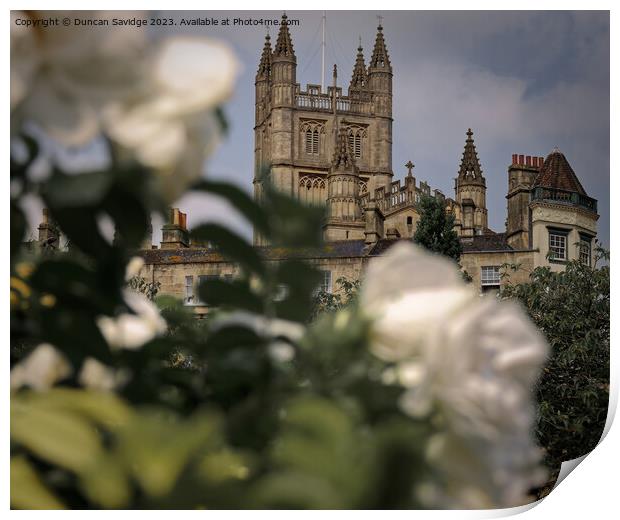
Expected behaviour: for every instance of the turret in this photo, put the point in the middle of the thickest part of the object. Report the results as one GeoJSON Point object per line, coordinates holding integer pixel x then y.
{"type": "Point", "coordinates": [283, 68]}
{"type": "Point", "coordinates": [380, 89]}
{"type": "Point", "coordinates": [344, 215]}
{"type": "Point", "coordinates": [380, 76]}
{"type": "Point", "coordinates": [470, 191]}
{"type": "Point", "coordinates": [563, 216]}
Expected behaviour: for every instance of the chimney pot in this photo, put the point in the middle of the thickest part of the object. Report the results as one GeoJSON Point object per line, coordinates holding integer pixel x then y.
{"type": "Point", "coordinates": [521, 159]}
{"type": "Point", "coordinates": [528, 160]}
{"type": "Point", "coordinates": [514, 158]}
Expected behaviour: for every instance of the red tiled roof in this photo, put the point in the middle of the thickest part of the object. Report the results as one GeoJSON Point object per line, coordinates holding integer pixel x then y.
{"type": "Point", "coordinates": [556, 173]}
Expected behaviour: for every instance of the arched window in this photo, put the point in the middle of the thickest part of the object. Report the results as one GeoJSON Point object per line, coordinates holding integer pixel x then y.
{"type": "Point", "coordinates": [312, 142]}
{"type": "Point", "coordinates": [356, 135]}
{"type": "Point", "coordinates": [311, 136]}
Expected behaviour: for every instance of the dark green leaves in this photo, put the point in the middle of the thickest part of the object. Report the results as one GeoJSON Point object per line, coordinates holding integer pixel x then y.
{"type": "Point", "coordinates": [240, 200]}
{"type": "Point", "coordinates": [230, 245]}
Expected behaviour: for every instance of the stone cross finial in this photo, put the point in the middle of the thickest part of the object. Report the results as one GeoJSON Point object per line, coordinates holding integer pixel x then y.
{"type": "Point", "coordinates": [380, 18]}
{"type": "Point", "coordinates": [409, 167]}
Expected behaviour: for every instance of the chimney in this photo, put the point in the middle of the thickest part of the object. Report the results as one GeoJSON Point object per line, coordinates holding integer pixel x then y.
{"type": "Point", "coordinates": [528, 160]}
{"type": "Point", "coordinates": [374, 223]}
{"type": "Point", "coordinates": [521, 159]}
{"type": "Point", "coordinates": [514, 158]}
{"type": "Point", "coordinates": [49, 234]}
{"type": "Point", "coordinates": [174, 233]}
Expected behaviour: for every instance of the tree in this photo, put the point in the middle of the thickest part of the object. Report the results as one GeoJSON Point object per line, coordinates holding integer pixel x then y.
{"type": "Point", "coordinates": [435, 229]}
{"type": "Point", "coordinates": [572, 309]}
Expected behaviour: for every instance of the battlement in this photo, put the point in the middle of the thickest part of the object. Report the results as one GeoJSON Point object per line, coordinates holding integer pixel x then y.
{"type": "Point", "coordinates": [313, 99]}
{"type": "Point", "coordinates": [396, 195]}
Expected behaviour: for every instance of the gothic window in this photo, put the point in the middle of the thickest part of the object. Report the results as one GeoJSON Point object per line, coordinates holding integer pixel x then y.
{"type": "Point", "coordinates": [312, 190]}
{"type": "Point", "coordinates": [312, 142]}
{"type": "Point", "coordinates": [311, 137]}
{"type": "Point", "coordinates": [362, 187]}
{"type": "Point", "coordinates": [356, 137]}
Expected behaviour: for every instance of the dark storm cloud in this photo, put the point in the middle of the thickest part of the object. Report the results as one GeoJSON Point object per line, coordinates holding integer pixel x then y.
{"type": "Point", "coordinates": [523, 81]}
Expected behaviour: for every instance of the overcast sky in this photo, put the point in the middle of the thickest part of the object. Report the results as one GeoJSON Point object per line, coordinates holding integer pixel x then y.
{"type": "Point", "coordinates": [525, 82]}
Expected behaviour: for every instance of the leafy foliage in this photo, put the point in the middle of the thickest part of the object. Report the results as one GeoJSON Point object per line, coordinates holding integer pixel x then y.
{"type": "Point", "coordinates": [571, 308]}
{"type": "Point", "coordinates": [435, 229]}
{"type": "Point", "coordinates": [240, 410]}
{"type": "Point", "coordinates": [345, 295]}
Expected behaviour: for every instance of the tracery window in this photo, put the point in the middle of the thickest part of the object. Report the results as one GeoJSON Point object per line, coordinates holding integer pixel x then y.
{"type": "Point", "coordinates": [311, 135]}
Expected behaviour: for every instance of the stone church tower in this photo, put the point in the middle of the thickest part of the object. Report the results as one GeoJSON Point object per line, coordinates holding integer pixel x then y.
{"type": "Point", "coordinates": [296, 132]}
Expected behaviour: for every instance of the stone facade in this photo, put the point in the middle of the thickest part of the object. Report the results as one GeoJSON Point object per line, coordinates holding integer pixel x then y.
{"type": "Point", "coordinates": [329, 149]}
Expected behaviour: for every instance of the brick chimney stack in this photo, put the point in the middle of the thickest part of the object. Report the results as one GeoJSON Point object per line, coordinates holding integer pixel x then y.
{"type": "Point", "coordinates": [174, 233]}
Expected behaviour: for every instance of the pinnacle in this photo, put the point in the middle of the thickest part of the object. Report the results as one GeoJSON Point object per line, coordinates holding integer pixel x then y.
{"type": "Point", "coordinates": [343, 159]}
{"type": "Point", "coordinates": [380, 57]}
{"type": "Point", "coordinates": [470, 165]}
{"type": "Point", "coordinates": [284, 44]}
{"type": "Point", "coordinates": [264, 67]}
{"type": "Point", "coordinates": [359, 78]}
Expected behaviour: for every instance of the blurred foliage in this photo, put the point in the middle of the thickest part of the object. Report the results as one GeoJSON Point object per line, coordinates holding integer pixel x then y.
{"type": "Point", "coordinates": [149, 289]}
{"type": "Point", "coordinates": [344, 295]}
{"type": "Point", "coordinates": [239, 410]}
{"type": "Point", "coordinates": [571, 308]}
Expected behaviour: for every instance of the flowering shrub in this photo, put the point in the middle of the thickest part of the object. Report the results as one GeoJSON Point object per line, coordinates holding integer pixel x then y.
{"type": "Point", "coordinates": [417, 395]}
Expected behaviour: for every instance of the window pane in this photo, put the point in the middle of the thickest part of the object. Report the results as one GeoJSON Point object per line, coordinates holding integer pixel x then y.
{"type": "Point", "coordinates": [490, 275]}
{"type": "Point", "coordinates": [557, 246]}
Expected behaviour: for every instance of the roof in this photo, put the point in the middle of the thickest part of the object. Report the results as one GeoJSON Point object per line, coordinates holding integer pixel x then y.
{"type": "Point", "coordinates": [339, 249]}
{"type": "Point", "coordinates": [489, 241]}
{"type": "Point", "coordinates": [556, 173]}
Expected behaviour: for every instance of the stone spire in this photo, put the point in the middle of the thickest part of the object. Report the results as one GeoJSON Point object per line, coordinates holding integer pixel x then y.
{"type": "Point", "coordinates": [380, 58]}
{"type": "Point", "coordinates": [264, 67]}
{"type": "Point", "coordinates": [470, 170]}
{"type": "Point", "coordinates": [359, 79]}
{"type": "Point", "coordinates": [343, 158]}
{"type": "Point", "coordinates": [284, 44]}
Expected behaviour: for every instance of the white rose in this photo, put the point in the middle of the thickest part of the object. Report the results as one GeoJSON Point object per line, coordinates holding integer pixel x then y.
{"type": "Point", "coordinates": [474, 361]}
{"type": "Point", "coordinates": [43, 367]}
{"type": "Point", "coordinates": [97, 376]}
{"type": "Point", "coordinates": [131, 331]}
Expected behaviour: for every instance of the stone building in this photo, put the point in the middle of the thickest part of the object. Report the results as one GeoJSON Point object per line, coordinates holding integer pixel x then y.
{"type": "Point", "coordinates": [334, 150]}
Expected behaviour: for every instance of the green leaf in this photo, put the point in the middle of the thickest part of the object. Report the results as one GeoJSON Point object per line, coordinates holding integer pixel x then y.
{"type": "Point", "coordinates": [18, 228]}
{"type": "Point", "coordinates": [56, 436]}
{"type": "Point", "coordinates": [230, 245]}
{"type": "Point", "coordinates": [240, 200]}
{"type": "Point", "coordinates": [236, 294]}
{"type": "Point", "coordinates": [156, 447]}
{"type": "Point", "coordinates": [82, 190]}
{"type": "Point", "coordinates": [106, 483]}
{"type": "Point", "coordinates": [27, 490]}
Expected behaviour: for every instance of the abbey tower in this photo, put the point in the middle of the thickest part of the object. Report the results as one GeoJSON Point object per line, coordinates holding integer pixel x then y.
{"type": "Point", "coordinates": [296, 131]}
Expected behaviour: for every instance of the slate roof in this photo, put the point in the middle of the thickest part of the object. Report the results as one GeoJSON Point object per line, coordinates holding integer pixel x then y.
{"type": "Point", "coordinates": [340, 249]}
{"type": "Point", "coordinates": [487, 242]}
{"type": "Point", "coordinates": [556, 173]}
